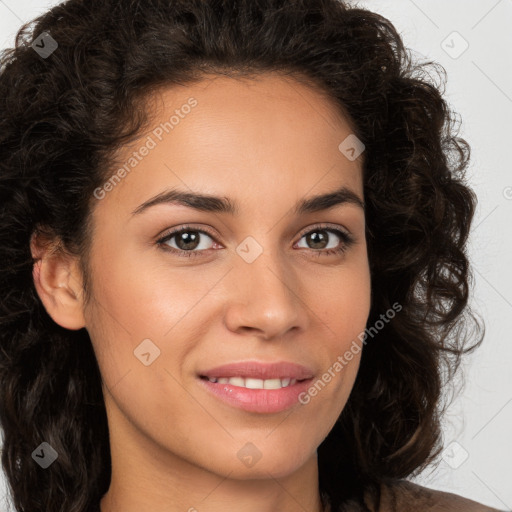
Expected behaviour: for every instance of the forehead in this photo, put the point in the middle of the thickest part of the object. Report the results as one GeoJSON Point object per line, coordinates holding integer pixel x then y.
{"type": "Point", "coordinates": [257, 93]}
{"type": "Point", "coordinates": [244, 138]}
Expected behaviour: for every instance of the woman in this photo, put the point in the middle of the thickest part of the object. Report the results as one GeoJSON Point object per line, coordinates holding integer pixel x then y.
{"type": "Point", "coordinates": [234, 262]}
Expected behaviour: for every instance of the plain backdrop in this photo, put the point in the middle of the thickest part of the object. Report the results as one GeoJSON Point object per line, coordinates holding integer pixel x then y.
{"type": "Point", "coordinates": [472, 40]}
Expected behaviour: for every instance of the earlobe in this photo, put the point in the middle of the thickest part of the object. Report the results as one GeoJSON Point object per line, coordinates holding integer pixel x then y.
{"type": "Point", "coordinates": [58, 283]}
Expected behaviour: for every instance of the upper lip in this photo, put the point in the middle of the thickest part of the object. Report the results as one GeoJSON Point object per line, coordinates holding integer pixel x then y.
{"type": "Point", "coordinates": [260, 370]}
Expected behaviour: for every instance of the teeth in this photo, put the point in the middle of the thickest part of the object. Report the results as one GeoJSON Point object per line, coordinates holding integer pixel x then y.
{"type": "Point", "coordinates": [251, 383]}
{"type": "Point", "coordinates": [237, 381]}
{"type": "Point", "coordinates": [273, 384]}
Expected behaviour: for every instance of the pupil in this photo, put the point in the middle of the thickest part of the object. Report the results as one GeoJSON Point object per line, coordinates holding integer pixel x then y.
{"type": "Point", "coordinates": [316, 239]}
{"type": "Point", "coordinates": [184, 244]}
{"type": "Point", "coordinates": [188, 240]}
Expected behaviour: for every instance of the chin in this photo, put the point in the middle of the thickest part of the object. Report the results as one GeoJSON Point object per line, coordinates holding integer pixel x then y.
{"type": "Point", "coordinates": [277, 463]}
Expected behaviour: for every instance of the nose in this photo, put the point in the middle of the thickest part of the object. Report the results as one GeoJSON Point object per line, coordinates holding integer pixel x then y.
{"type": "Point", "coordinates": [265, 298]}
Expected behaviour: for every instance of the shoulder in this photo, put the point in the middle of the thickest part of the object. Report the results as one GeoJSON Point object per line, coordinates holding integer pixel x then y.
{"type": "Point", "coordinates": [405, 496]}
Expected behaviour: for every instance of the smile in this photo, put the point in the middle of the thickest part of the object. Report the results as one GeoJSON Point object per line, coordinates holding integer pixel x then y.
{"type": "Point", "coordinates": [256, 395]}
{"type": "Point", "coordinates": [251, 383]}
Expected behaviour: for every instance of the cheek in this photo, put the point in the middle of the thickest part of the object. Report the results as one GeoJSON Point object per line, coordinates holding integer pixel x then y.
{"type": "Point", "coordinates": [344, 301]}
{"type": "Point", "coordinates": [346, 306]}
{"type": "Point", "coordinates": [144, 301]}
{"type": "Point", "coordinates": [138, 310]}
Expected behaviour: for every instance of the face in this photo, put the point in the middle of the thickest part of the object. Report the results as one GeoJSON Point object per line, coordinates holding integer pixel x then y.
{"type": "Point", "coordinates": [266, 283]}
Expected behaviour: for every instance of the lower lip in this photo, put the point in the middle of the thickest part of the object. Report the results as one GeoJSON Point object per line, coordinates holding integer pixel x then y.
{"type": "Point", "coordinates": [257, 400]}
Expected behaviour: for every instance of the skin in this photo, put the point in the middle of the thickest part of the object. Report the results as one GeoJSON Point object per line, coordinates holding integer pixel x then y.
{"type": "Point", "coordinates": [265, 143]}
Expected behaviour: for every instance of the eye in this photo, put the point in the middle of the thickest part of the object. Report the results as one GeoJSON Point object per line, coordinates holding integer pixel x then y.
{"type": "Point", "coordinates": [319, 238]}
{"type": "Point", "coordinates": [188, 241]}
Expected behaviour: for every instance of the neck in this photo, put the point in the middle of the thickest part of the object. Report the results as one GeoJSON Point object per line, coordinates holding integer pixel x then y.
{"type": "Point", "coordinates": [148, 477]}
{"type": "Point", "coordinates": [213, 493]}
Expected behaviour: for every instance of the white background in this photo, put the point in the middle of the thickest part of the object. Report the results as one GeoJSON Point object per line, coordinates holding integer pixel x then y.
{"type": "Point", "coordinates": [479, 88]}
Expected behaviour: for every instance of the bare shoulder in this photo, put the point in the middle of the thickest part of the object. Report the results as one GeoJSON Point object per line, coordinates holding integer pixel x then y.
{"type": "Point", "coordinates": [405, 496]}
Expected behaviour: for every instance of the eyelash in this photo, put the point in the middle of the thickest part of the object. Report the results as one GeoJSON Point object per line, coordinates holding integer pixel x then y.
{"type": "Point", "coordinates": [347, 241]}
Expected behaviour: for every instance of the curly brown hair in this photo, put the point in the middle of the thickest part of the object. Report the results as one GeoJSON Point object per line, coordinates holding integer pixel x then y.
{"type": "Point", "coordinates": [63, 117]}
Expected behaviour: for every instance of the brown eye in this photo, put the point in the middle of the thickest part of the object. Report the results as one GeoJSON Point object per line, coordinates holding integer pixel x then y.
{"type": "Point", "coordinates": [186, 241]}
{"type": "Point", "coordinates": [319, 238]}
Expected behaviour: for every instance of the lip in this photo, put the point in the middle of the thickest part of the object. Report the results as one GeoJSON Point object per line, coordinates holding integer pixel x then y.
{"type": "Point", "coordinates": [258, 370]}
{"type": "Point", "coordinates": [258, 400]}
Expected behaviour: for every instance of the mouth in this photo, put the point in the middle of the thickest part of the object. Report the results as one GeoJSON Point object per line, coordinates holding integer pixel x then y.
{"type": "Point", "coordinates": [263, 396]}
{"type": "Point", "coordinates": [257, 386]}
{"type": "Point", "coordinates": [252, 383]}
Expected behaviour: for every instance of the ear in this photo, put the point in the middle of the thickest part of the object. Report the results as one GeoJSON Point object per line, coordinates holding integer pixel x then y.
{"type": "Point", "coordinates": [58, 281]}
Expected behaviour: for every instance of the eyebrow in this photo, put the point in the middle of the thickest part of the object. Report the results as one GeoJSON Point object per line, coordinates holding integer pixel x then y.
{"type": "Point", "coordinates": [211, 203]}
